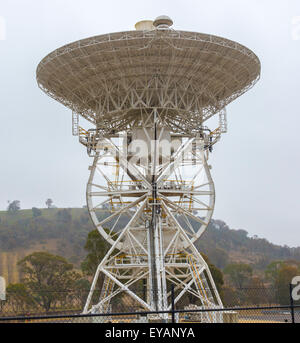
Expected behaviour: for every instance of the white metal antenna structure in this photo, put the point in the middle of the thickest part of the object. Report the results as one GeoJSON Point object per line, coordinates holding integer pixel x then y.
{"type": "Point", "coordinates": [149, 94]}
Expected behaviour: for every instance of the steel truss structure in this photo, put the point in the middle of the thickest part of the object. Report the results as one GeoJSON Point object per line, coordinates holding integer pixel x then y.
{"type": "Point", "coordinates": [183, 207]}
{"type": "Point", "coordinates": [113, 80]}
{"type": "Point", "coordinates": [149, 94]}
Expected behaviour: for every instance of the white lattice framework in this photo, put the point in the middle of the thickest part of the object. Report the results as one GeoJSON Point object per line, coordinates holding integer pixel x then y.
{"type": "Point", "coordinates": [185, 198]}
{"type": "Point", "coordinates": [113, 80]}
{"type": "Point", "coordinates": [162, 85]}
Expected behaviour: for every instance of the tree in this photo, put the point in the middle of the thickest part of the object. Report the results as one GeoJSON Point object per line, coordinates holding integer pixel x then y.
{"type": "Point", "coordinates": [219, 257]}
{"type": "Point", "coordinates": [262, 263]}
{"type": "Point", "coordinates": [229, 296]}
{"type": "Point", "coordinates": [96, 246]}
{"type": "Point", "coordinates": [36, 212]}
{"type": "Point", "coordinates": [49, 203]}
{"type": "Point", "coordinates": [48, 278]}
{"type": "Point", "coordinates": [280, 274]}
{"type": "Point", "coordinates": [81, 291]}
{"type": "Point", "coordinates": [64, 216]}
{"type": "Point", "coordinates": [271, 271]}
{"type": "Point", "coordinates": [18, 298]}
{"type": "Point", "coordinates": [216, 273]}
{"type": "Point", "coordinates": [218, 280]}
{"type": "Point", "coordinates": [239, 273]}
{"type": "Point", "coordinates": [282, 283]}
{"type": "Point", "coordinates": [13, 207]}
{"type": "Point", "coordinates": [257, 293]}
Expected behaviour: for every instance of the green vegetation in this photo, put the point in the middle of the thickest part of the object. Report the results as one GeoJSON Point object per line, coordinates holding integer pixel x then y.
{"type": "Point", "coordinates": [49, 203]}
{"type": "Point", "coordinates": [239, 273]}
{"type": "Point", "coordinates": [69, 250]}
{"type": "Point", "coordinates": [49, 282]}
{"type": "Point", "coordinates": [36, 212]}
{"type": "Point", "coordinates": [224, 246]}
{"type": "Point", "coordinates": [13, 207]}
{"type": "Point", "coordinates": [46, 277]}
{"type": "Point", "coordinates": [70, 227]}
{"type": "Point", "coordinates": [64, 231]}
{"type": "Point", "coordinates": [96, 247]}
{"type": "Point", "coordinates": [280, 274]}
{"type": "Point", "coordinates": [216, 273]}
{"type": "Point", "coordinates": [29, 227]}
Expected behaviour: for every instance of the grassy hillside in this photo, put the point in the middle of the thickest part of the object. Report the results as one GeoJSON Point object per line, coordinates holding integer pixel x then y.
{"type": "Point", "coordinates": [22, 234]}
{"type": "Point", "coordinates": [64, 231]}
{"type": "Point", "coordinates": [46, 213]}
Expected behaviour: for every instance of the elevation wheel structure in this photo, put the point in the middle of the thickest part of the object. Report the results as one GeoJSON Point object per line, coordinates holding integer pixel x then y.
{"type": "Point", "coordinates": [118, 185]}
{"type": "Point", "coordinates": [150, 95]}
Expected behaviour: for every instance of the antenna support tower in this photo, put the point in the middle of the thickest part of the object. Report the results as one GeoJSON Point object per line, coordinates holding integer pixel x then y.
{"type": "Point", "coordinates": [149, 95]}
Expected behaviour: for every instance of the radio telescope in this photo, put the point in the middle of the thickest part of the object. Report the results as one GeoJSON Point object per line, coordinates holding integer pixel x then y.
{"type": "Point", "coordinates": [149, 95]}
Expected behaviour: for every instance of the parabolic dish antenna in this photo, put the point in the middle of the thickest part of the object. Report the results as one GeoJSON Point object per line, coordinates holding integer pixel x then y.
{"type": "Point", "coordinates": [149, 94]}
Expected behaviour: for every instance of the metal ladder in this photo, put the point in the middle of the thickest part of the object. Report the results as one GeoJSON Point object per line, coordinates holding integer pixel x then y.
{"type": "Point", "coordinates": [106, 290]}
{"type": "Point", "coordinates": [204, 290]}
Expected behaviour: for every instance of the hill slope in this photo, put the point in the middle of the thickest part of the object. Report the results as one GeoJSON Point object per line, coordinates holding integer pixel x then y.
{"type": "Point", "coordinates": [64, 231]}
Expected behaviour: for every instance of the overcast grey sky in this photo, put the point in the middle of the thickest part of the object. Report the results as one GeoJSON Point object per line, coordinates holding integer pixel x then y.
{"type": "Point", "coordinates": [256, 164]}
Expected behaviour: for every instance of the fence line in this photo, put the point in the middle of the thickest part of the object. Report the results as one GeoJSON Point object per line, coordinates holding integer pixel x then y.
{"type": "Point", "coordinates": [172, 312]}
{"type": "Point", "coordinates": [259, 313]}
